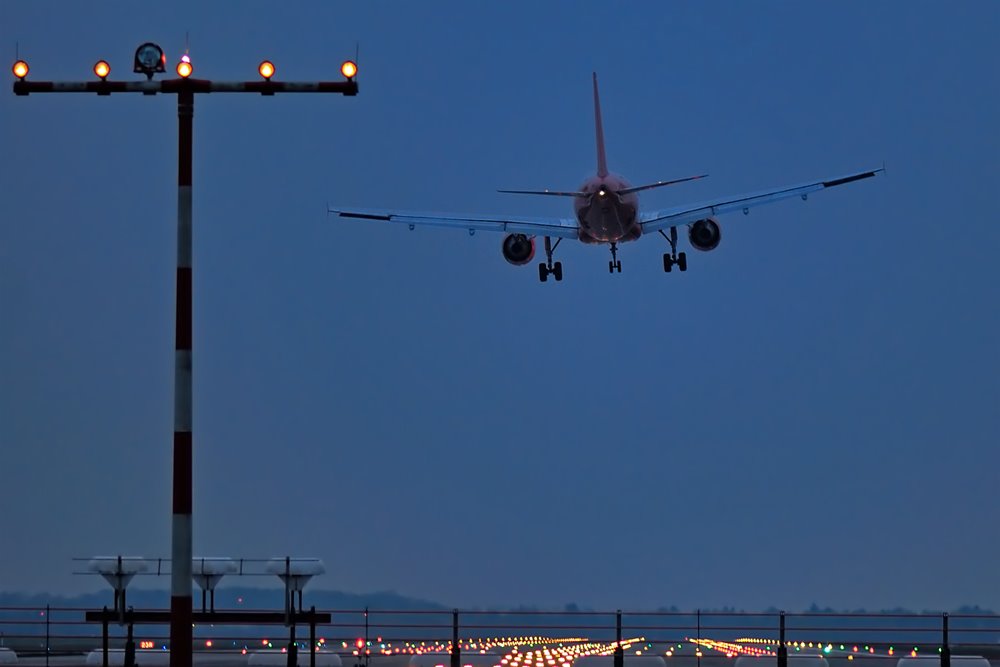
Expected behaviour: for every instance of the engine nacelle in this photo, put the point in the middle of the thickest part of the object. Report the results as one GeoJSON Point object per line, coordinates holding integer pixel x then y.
{"type": "Point", "coordinates": [705, 235]}
{"type": "Point", "coordinates": [518, 249]}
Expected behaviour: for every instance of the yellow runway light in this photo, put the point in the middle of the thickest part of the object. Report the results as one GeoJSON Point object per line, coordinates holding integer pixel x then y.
{"type": "Point", "coordinates": [349, 69]}
{"type": "Point", "coordinates": [20, 69]}
{"type": "Point", "coordinates": [102, 69]}
{"type": "Point", "coordinates": [184, 67]}
{"type": "Point", "coordinates": [266, 69]}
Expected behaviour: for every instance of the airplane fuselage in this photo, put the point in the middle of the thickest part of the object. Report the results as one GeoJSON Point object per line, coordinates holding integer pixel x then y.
{"type": "Point", "coordinates": [604, 215]}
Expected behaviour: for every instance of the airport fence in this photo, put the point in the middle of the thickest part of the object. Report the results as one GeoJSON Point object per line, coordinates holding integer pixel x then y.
{"type": "Point", "coordinates": [368, 636]}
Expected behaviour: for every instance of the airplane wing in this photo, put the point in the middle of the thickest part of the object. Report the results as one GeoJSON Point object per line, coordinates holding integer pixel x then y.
{"type": "Point", "coordinates": [559, 227]}
{"type": "Point", "coordinates": [683, 215]}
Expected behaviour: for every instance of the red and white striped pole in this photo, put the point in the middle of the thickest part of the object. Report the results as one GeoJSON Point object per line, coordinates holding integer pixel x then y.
{"type": "Point", "coordinates": [180, 565]}
{"type": "Point", "coordinates": [181, 605]}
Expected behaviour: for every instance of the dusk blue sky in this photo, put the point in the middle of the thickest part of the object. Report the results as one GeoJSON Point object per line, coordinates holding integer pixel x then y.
{"type": "Point", "coordinates": [810, 413]}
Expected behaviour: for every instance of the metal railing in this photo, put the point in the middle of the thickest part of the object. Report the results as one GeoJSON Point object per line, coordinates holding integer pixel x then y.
{"type": "Point", "coordinates": [373, 634]}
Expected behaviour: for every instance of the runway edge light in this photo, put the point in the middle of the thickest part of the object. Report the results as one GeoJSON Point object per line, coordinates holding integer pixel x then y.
{"type": "Point", "coordinates": [349, 69]}
{"type": "Point", "coordinates": [266, 69]}
{"type": "Point", "coordinates": [20, 69]}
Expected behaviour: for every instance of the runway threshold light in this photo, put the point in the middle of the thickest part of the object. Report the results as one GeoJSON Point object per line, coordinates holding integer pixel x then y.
{"type": "Point", "coordinates": [102, 69]}
{"type": "Point", "coordinates": [20, 69]}
{"type": "Point", "coordinates": [184, 67]}
{"type": "Point", "coordinates": [349, 69]}
{"type": "Point", "coordinates": [266, 69]}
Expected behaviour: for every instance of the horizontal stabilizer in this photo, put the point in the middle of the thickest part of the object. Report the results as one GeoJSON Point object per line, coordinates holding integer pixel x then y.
{"type": "Point", "coordinates": [659, 184]}
{"type": "Point", "coordinates": [556, 193]}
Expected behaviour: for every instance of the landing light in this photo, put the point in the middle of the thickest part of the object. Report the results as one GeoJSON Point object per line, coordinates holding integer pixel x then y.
{"type": "Point", "coordinates": [184, 67]}
{"type": "Point", "coordinates": [20, 69]}
{"type": "Point", "coordinates": [266, 69]}
{"type": "Point", "coordinates": [349, 69]}
{"type": "Point", "coordinates": [102, 69]}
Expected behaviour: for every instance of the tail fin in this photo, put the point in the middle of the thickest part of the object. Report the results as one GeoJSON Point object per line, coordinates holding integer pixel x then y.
{"type": "Point", "coordinates": [602, 160]}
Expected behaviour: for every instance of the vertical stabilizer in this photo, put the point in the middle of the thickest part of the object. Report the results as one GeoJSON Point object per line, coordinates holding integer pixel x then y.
{"type": "Point", "coordinates": [602, 160]}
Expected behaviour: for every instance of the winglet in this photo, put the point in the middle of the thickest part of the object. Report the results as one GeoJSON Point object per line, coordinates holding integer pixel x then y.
{"type": "Point", "coordinates": [602, 160]}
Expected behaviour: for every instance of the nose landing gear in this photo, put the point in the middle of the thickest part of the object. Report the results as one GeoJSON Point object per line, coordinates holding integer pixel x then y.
{"type": "Point", "coordinates": [548, 267]}
{"type": "Point", "coordinates": [673, 258]}
{"type": "Point", "coordinates": [615, 264]}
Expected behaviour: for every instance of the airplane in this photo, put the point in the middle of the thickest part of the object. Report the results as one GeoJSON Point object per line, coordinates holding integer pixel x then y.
{"type": "Point", "coordinates": [606, 211]}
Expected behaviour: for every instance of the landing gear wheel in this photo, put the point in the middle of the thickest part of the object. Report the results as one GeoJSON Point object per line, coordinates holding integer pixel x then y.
{"type": "Point", "coordinates": [615, 263]}
{"type": "Point", "coordinates": [673, 258]}
{"type": "Point", "coordinates": [548, 267]}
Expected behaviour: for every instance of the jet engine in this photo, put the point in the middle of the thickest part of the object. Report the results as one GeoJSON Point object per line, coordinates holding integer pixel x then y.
{"type": "Point", "coordinates": [518, 249]}
{"type": "Point", "coordinates": [705, 235]}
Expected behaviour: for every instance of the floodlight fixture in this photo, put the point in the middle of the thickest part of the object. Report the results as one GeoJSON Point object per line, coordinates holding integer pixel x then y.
{"type": "Point", "coordinates": [150, 60]}
{"type": "Point", "coordinates": [208, 572]}
{"type": "Point", "coordinates": [349, 69]}
{"type": "Point", "coordinates": [184, 67]}
{"type": "Point", "coordinates": [102, 69]}
{"type": "Point", "coordinates": [20, 69]}
{"type": "Point", "coordinates": [295, 573]}
{"type": "Point", "coordinates": [266, 69]}
{"type": "Point", "coordinates": [118, 571]}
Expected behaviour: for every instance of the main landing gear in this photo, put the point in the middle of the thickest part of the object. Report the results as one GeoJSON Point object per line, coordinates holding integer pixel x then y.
{"type": "Point", "coordinates": [548, 267]}
{"type": "Point", "coordinates": [615, 264]}
{"type": "Point", "coordinates": [673, 258]}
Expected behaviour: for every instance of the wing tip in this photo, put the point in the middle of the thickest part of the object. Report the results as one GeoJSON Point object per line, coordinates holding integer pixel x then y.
{"type": "Point", "coordinates": [854, 177]}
